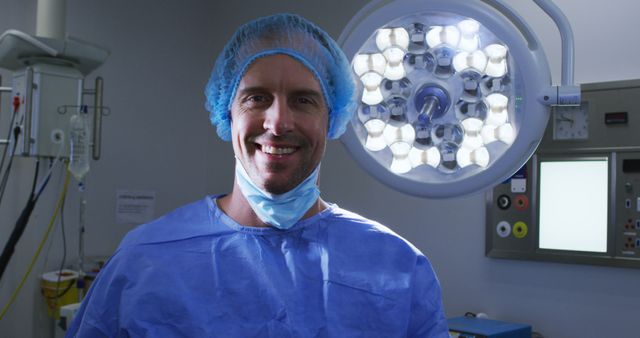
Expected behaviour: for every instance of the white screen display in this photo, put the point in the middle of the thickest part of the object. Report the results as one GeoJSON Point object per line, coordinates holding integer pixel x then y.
{"type": "Point", "coordinates": [573, 205]}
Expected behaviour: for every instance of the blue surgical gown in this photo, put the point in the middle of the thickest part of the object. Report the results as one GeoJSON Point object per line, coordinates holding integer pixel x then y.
{"type": "Point", "coordinates": [197, 273]}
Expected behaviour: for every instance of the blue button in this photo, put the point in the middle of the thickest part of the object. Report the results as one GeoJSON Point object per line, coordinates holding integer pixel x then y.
{"type": "Point", "coordinates": [638, 224]}
{"type": "Point", "coordinates": [627, 203]}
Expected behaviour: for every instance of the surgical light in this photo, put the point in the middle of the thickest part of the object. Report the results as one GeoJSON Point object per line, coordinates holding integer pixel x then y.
{"type": "Point", "coordinates": [455, 93]}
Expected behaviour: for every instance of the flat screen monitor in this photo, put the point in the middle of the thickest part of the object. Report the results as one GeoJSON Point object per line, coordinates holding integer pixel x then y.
{"type": "Point", "coordinates": [573, 204]}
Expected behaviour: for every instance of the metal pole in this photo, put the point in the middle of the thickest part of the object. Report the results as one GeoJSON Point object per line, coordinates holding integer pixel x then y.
{"type": "Point", "coordinates": [97, 118]}
{"type": "Point", "coordinates": [26, 144]}
{"type": "Point", "coordinates": [566, 37]}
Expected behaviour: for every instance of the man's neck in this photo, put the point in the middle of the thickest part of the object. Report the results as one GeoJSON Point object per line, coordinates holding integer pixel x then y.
{"type": "Point", "coordinates": [236, 206]}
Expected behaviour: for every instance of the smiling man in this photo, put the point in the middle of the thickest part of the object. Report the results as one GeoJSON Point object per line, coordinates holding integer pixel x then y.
{"type": "Point", "coordinates": [271, 258]}
{"type": "Point", "coordinates": [279, 131]}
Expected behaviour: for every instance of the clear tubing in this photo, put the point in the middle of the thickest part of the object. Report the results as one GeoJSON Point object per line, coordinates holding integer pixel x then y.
{"type": "Point", "coordinates": [566, 36]}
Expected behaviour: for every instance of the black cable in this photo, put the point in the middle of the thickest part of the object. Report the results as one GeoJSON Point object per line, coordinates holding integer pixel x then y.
{"type": "Point", "coordinates": [5, 177]}
{"type": "Point", "coordinates": [18, 229]}
{"type": "Point", "coordinates": [4, 152]}
{"type": "Point", "coordinates": [35, 180]}
{"type": "Point", "coordinates": [44, 184]}
{"type": "Point", "coordinates": [7, 171]}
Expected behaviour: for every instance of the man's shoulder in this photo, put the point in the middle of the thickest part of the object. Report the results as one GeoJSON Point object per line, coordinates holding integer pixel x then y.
{"type": "Point", "coordinates": [351, 225]}
{"type": "Point", "coordinates": [188, 221]}
{"type": "Point", "coordinates": [356, 222]}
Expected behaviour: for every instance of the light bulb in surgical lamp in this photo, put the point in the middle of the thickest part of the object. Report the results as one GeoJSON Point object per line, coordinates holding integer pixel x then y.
{"type": "Point", "coordinates": [394, 55]}
{"type": "Point", "coordinates": [468, 35]}
{"type": "Point", "coordinates": [498, 113]}
{"type": "Point", "coordinates": [372, 97]}
{"type": "Point", "coordinates": [503, 133]}
{"type": "Point", "coordinates": [472, 125]}
{"type": "Point", "coordinates": [419, 157]}
{"type": "Point", "coordinates": [472, 130]}
{"type": "Point", "coordinates": [394, 73]}
{"type": "Point", "coordinates": [470, 60]}
{"type": "Point", "coordinates": [506, 133]}
{"type": "Point", "coordinates": [401, 162]}
{"type": "Point", "coordinates": [439, 35]}
{"type": "Point", "coordinates": [389, 37]}
{"type": "Point", "coordinates": [459, 83]}
{"type": "Point", "coordinates": [472, 142]}
{"type": "Point", "coordinates": [372, 94]}
{"type": "Point", "coordinates": [395, 68]}
{"type": "Point", "coordinates": [371, 80]}
{"type": "Point", "coordinates": [400, 149]}
{"type": "Point", "coordinates": [467, 157]}
{"type": "Point", "coordinates": [497, 62]}
{"type": "Point", "coordinates": [375, 139]}
{"type": "Point", "coordinates": [400, 165]}
{"type": "Point", "coordinates": [364, 63]}
{"type": "Point", "coordinates": [404, 133]}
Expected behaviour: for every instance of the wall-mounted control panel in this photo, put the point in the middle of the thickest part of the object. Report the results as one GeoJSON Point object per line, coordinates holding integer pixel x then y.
{"type": "Point", "coordinates": [577, 200]}
{"type": "Point", "coordinates": [47, 96]}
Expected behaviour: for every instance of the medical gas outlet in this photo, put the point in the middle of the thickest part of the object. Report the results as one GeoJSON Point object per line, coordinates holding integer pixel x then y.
{"type": "Point", "coordinates": [44, 88]}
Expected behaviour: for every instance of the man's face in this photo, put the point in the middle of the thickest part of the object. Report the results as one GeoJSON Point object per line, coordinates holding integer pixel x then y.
{"type": "Point", "coordinates": [279, 123]}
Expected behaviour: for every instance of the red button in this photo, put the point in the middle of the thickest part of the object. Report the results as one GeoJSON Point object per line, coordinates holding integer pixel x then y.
{"type": "Point", "coordinates": [522, 202]}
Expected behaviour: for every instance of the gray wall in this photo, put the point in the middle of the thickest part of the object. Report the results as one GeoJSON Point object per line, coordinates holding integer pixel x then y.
{"type": "Point", "coordinates": [158, 138]}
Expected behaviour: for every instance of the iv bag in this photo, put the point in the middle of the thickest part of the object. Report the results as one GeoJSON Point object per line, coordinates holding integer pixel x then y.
{"type": "Point", "coordinates": [79, 141]}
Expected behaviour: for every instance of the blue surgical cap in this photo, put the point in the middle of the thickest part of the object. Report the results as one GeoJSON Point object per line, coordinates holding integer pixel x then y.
{"type": "Point", "coordinates": [296, 37]}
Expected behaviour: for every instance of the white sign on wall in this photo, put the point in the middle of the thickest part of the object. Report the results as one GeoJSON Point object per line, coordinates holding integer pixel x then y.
{"type": "Point", "coordinates": [135, 206]}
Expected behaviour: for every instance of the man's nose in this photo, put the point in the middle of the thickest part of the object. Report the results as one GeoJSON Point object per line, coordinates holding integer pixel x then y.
{"type": "Point", "coordinates": [278, 117]}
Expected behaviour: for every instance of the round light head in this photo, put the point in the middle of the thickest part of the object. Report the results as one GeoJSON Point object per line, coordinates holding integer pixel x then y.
{"type": "Point", "coordinates": [467, 115]}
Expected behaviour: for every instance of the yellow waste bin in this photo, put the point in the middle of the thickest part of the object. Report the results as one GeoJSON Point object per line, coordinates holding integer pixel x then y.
{"type": "Point", "coordinates": [59, 289]}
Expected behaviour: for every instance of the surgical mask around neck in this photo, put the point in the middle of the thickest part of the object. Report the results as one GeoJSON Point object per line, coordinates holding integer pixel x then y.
{"type": "Point", "coordinates": [279, 210]}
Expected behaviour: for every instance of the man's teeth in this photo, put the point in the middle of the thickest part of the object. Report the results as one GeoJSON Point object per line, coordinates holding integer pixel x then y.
{"type": "Point", "coordinates": [277, 151]}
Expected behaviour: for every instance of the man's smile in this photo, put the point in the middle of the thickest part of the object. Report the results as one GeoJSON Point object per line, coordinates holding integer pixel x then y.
{"type": "Point", "coordinates": [276, 150]}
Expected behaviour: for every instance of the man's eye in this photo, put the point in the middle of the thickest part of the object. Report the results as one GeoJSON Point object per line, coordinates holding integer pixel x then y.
{"type": "Point", "coordinates": [304, 100]}
{"type": "Point", "coordinates": [257, 98]}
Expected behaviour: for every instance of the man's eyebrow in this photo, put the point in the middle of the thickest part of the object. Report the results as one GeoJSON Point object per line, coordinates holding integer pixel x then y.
{"type": "Point", "coordinates": [308, 92]}
{"type": "Point", "coordinates": [315, 94]}
{"type": "Point", "coordinates": [249, 90]}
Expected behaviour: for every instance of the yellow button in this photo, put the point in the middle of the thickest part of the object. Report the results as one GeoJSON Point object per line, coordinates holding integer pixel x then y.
{"type": "Point", "coordinates": [520, 229]}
